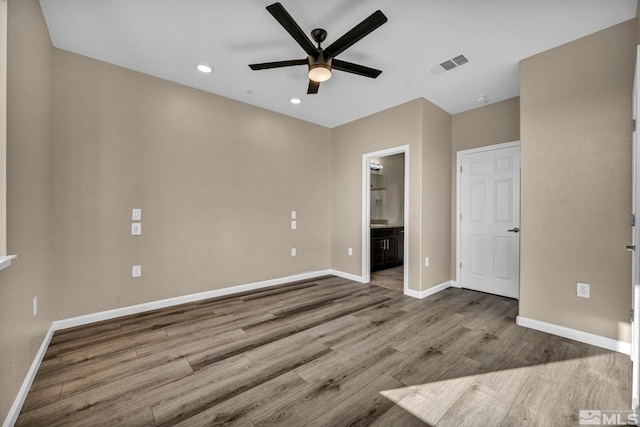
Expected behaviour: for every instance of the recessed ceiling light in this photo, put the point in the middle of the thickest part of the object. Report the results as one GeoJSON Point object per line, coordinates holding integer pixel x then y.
{"type": "Point", "coordinates": [204, 68]}
{"type": "Point", "coordinates": [295, 101]}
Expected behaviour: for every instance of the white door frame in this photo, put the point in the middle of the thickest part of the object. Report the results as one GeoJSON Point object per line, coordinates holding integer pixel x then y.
{"type": "Point", "coordinates": [459, 195]}
{"type": "Point", "coordinates": [366, 211]}
{"type": "Point", "coordinates": [635, 235]}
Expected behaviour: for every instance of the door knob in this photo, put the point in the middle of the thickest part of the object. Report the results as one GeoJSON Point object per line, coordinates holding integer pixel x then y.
{"type": "Point", "coordinates": [514, 230]}
{"type": "Point", "coordinates": [631, 248]}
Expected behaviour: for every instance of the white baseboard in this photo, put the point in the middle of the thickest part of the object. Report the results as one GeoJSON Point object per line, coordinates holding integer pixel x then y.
{"type": "Point", "coordinates": [56, 325]}
{"type": "Point", "coordinates": [154, 305]}
{"type": "Point", "coordinates": [576, 335]}
{"type": "Point", "coordinates": [12, 416]}
{"type": "Point", "coordinates": [455, 284]}
{"type": "Point", "coordinates": [428, 292]}
{"type": "Point", "coordinates": [347, 276]}
{"type": "Point", "coordinates": [407, 292]}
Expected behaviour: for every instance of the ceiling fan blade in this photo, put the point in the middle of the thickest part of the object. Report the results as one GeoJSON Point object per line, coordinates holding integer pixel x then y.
{"type": "Point", "coordinates": [360, 70]}
{"type": "Point", "coordinates": [313, 87]}
{"type": "Point", "coordinates": [279, 64]}
{"type": "Point", "coordinates": [287, 22]}
{"type": "Point", "coordinates": [355, 34]}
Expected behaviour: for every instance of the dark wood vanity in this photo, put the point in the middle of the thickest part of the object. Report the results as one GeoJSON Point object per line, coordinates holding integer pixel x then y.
{"type": "Point", "coordinates": [387, 247]}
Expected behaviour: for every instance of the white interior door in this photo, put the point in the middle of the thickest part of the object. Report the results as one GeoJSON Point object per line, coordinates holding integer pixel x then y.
{"type": "Point", "coordinates": [489, 208]}
{"type": "Point", "coordinates": [635, 248]}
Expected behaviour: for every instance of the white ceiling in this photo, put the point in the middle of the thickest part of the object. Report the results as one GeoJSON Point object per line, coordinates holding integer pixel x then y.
{"type": "Point", "coordinates": [166, 38]}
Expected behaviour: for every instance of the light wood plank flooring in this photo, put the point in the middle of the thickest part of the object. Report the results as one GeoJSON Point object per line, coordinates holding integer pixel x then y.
{"type": "Point", "coordinates": [326, 352]}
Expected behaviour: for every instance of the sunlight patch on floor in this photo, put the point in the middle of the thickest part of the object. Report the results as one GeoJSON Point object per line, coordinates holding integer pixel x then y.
{"type": "Point", "coordinates": [490, 397]}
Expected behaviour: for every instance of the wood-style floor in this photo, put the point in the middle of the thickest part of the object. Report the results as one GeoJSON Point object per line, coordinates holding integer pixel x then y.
{"type": "Point", "coordinates": [326, 352]}
{"type": "Point", "coordinates": [390, 278]}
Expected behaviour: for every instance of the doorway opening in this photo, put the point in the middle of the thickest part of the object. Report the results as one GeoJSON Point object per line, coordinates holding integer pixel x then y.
{"type": "Point", "coordinates": [385, 218]}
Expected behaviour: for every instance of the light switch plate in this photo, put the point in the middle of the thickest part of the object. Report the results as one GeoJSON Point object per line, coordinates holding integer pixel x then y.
{"type": "Point", "coordinates": [350, 251]}
{"type": "Point", "coordinates": [294, 225]}
{"type": "Point", "coordinates": [136, 214]}
{"type": "Point", "coordinates": [136, 271]}
{"type": "Point", "coordinates": [293, 251]}
{"type": "Point", "coordinates": [294, 214]}
{"type": "Point", "coordinates": [136, 228]}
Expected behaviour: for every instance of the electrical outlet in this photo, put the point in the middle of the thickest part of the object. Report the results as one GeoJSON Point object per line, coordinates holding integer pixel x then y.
{"type": "Point", "coordinates": [136, 271]}
{"type": "Point", "coordinates": [293, 251]}
{"type": "Point", "coordinates": [583, 290]}
{"type": "Point", "coordinates": [426, 261]}
{"type": "Point", "coordinates": [350, 251]}
{"type": "Point", "coordinates": [35, 306]}
{"type": "Point", "coordinates": [136, 229]}
{"type": "Point", "coordinates": [294, 225]}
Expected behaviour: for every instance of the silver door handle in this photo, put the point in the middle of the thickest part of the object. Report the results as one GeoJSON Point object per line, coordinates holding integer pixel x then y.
{"type": "Point", "coordinates": [631, 248]}
{"type": "Point", "coordinates": [514, 230]}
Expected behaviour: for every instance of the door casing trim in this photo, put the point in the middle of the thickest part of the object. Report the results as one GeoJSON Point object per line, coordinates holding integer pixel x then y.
{"type": "Point", "coordinates": [366, 214]}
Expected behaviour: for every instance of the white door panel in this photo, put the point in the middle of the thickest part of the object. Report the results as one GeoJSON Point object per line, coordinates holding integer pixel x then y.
{"type": "Point", "coordinates": [490, 207]}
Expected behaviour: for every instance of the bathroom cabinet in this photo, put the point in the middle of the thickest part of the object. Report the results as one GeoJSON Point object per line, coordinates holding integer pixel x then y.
{"type": "Point", "coordinates": [387, 247]}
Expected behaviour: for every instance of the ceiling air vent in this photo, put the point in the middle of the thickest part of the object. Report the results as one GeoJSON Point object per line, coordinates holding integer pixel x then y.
{"type": "Point", "coordinates": [460, 60]}
{"type": "Point", "coordinates": [449, 65]}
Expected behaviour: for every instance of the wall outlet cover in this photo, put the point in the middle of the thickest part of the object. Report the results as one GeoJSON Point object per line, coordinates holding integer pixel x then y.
{"type": "Point", "coordinates": [293, 252]}
{"type": "Point", "coordinates": [294, 214]}
{"type": "Point", "coordinates": [294, 225]}
{"type": "Point", "coordinates": [350, 251]}
{"type": "Point", "coordinates": [582, 289]}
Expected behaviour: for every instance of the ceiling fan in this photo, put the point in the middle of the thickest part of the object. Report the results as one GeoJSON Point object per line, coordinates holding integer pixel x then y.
{"type": "Point", "coordinates": [321, 61]}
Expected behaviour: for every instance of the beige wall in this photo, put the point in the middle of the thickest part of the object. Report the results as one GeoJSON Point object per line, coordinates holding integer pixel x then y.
{"type": "Point", "coordinates": [487, 125]}
{"type": "Point", "coordinates": [575, 106]}
{"type": "Point", "coordinates": [3, 127]}
{"type": "Point", "coordinates": [28, 197]}
{"type": "Point", "coordinates": [216, 180]}
{"type": "Point", "coordinates": [426, 129]}
{"type": "Point", "coordinates": [397, 126]}
{"type": "Point", "coordinates": [637, 25]}
{"type": "Point", "coordinates": [436, 196]}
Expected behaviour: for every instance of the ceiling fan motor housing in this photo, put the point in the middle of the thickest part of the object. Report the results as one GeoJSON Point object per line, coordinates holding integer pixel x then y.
{"type": "Point", "coordinates": [320, 67]}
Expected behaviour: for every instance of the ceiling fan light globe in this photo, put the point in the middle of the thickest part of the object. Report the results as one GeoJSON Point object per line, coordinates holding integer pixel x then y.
{"type": "Point", "coordinates": [319, 73]}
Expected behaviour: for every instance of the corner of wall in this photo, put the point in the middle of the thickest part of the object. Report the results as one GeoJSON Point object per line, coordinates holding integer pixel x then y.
{"type": "Point", "coordinates": [29, 92]}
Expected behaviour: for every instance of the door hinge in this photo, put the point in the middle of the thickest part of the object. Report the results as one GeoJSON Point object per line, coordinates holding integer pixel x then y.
{"type": "Point", "coordinates": [460, 169]}
{"type": "Point", "coordinates": [633, 125]}
{"type": "Point", "coordinates": [460, 266]}
{"type": "Point", "coordinates": [631, 315]}
{"type": "Point", "coordinates": [460, 217]}
{"type": "Point", "coordinates": [633, 220]}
